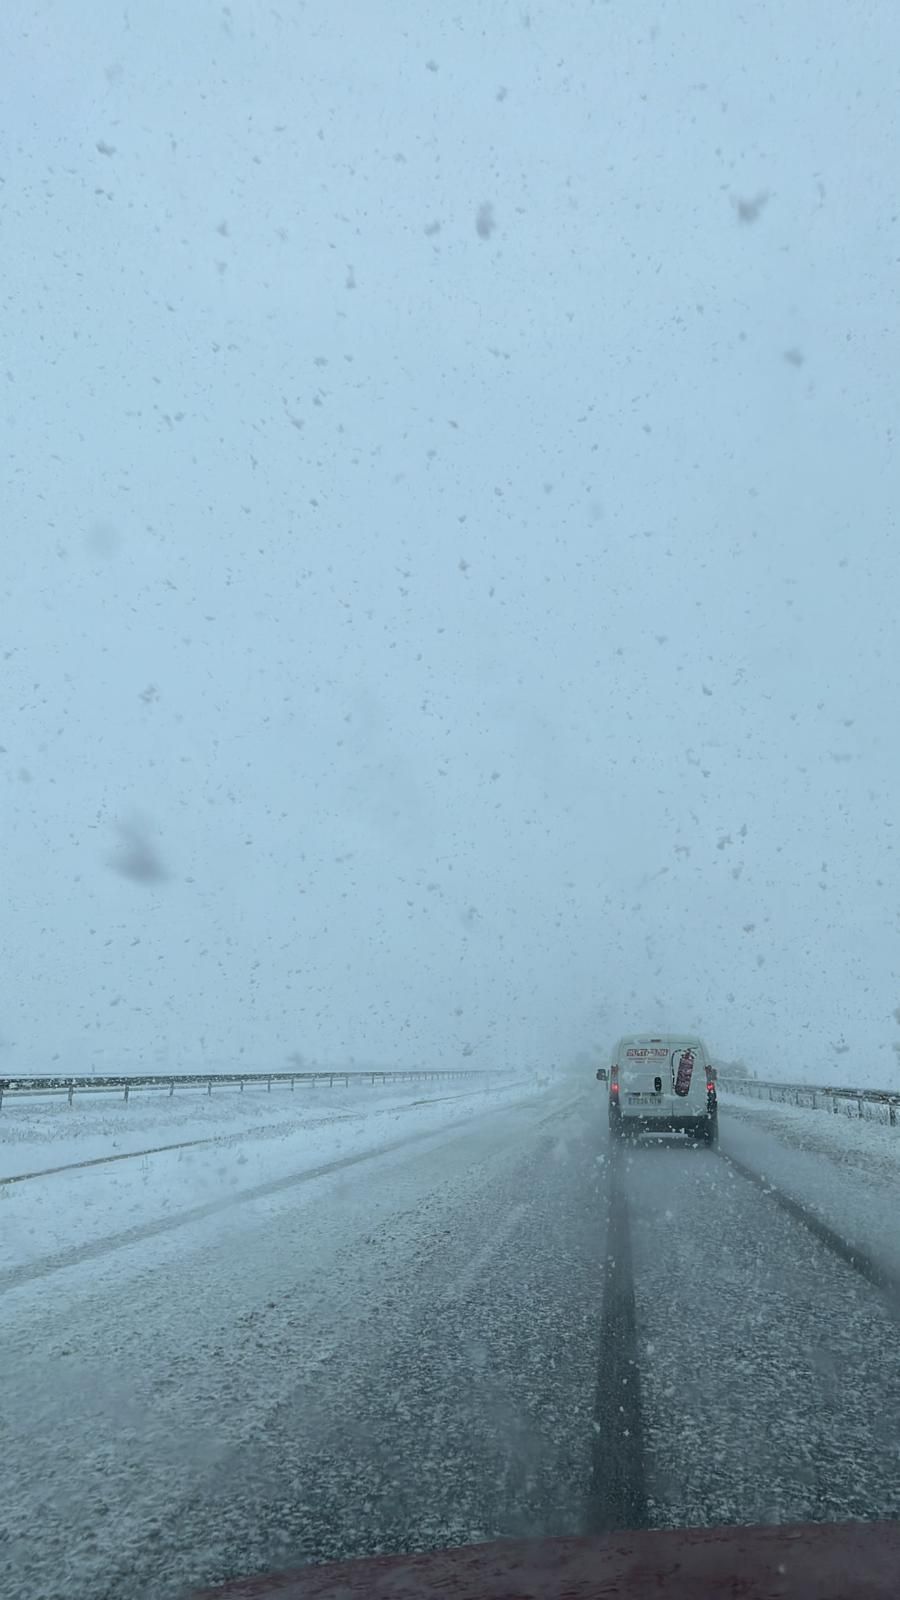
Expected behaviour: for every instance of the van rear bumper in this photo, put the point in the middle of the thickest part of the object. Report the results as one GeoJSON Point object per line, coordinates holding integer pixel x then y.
{"type": "Point", "coordinates": [641, 1122]}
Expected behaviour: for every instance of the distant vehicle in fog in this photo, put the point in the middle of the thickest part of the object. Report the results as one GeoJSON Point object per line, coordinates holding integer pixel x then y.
{"type": "Point", "coordinates": [662, 1083]}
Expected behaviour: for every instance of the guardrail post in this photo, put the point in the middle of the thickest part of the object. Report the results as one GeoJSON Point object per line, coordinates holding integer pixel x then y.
{"type": "Point", "coordinates": [126, 1094]}
{"type": "Point", "coordinates": [892, 1110]}
{"type": "Point", "coordinates": [171, 1088]}
{"type": "Point", "coordinates": [209, 1090]}
{"type": "Point", "coordinates": [292, 1080]}
{"type": "Point", "coordinates": [242, 1086]}
{"type": "Point", "coordinates": [71, 1092]}
{"type": "Point", "coordinates": [270, 1086]}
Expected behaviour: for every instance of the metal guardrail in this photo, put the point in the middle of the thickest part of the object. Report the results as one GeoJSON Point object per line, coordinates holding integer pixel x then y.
{"type": "Point", "coordinates": [849, 1102]}
{"type": "Point", "coordinates": [208, 1080]}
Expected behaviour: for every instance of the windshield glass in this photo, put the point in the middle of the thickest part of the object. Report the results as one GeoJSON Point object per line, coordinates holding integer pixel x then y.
{"type": "Point", "coordinates": [448, 569]}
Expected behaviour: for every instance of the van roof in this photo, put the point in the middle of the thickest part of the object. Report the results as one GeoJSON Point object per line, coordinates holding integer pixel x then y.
{"type": "Point", "coordinates": [672, 1040]}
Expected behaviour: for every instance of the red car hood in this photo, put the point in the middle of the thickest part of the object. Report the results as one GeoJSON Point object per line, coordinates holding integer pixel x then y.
{"type": "Point", "coordinates": [820, 1561]}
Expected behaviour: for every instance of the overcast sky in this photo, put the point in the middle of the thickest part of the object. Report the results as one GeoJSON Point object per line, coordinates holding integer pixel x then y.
{"type": "Point", "coordinates": [449, 558]}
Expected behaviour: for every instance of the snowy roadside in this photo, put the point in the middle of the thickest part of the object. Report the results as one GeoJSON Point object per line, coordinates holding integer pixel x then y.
{"type": "Point", "coordinates": [846, 1170]}
{"type": "Point", "coordinates": [39, 1133]}
{"type": "Point", "coordinates": [259, 1140]}
{"type": "Point", "coordinates": [850, 1141]}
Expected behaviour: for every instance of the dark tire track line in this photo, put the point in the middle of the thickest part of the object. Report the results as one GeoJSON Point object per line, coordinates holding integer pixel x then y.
{"type": "Point", "coordinates": [617, 1493]}
{"type": "Point", "coordinates": [134, 1155]}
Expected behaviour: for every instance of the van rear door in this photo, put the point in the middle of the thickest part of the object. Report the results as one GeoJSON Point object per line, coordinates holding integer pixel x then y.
{"type": "Point", "coordinates": [645, 1078]}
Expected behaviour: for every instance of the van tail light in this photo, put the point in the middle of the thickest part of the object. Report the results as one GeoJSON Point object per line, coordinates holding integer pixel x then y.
{"type": "Point", "coordinates": [613, 1080]}
{"type": "Point", "coordinates": [711, 1087]}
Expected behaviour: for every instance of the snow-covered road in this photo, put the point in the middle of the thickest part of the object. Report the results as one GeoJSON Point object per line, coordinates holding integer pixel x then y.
{"type": "Point", "coordinates": [422, 1327]}
{"type": "Point", "coordinates": [80, 1184]}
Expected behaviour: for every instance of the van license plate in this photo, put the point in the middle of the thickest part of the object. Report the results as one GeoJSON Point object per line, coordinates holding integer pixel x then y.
{"type": "Point", "coordinates": [645, 1099]}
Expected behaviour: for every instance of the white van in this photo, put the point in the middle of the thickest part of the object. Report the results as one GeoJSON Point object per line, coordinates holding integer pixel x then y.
{"type": "Point", "coordinates": [662, 1084]}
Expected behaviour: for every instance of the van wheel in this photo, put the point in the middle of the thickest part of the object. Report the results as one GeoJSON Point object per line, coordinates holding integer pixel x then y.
{"type": "Point", "coordinates": [615, 1126]}
{"type": "Point", "coordinates": [709, 1131]}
